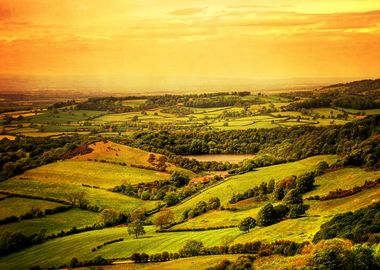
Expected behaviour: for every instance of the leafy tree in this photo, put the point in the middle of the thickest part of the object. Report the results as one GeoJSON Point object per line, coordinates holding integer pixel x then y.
{"type": "Point", "coordinates": [109, 217]}
{"type": "Point", "coordinates": [138, 214]}
{"type": "Point", "coordinates": [191, 248]}
{"type": "Point", "coordinates": [296, 210]}
{"type": "Point", "coordinates": [136, 228]}
{"type": "Point", "coordinates": [164, 218]}
{"type": "Point", "coordinates": [281, 211]}
{"type": "Point", "coordinates": [293, 197]}
{"type": "Point", "coordinates": [305, 182]}
{"type": "Point", "coordinates": [77, 198]}
{"type": "Point", "coordinates": [171, 198]}
{"type": "Point", "coordinates": [213, 203]}
{"type": "Point", "coordinates": [267, 215]}
{"type": "Point", "coordinates": [246, 224]}
{"type": "Point", "coordinates": [179, 179]}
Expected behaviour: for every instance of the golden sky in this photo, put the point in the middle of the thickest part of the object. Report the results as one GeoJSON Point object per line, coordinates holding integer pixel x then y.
{"type": "Point", "coordinates": [181, 42]}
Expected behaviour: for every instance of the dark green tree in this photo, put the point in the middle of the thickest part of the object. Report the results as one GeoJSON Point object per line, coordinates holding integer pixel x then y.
{"type": "Point", "coordinates": [246, 224]}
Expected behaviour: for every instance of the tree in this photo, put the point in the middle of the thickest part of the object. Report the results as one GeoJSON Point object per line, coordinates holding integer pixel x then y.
{"type": "Point", "coordinates": [109, 217]}
{"type": "Point", "coordinates": [246, 224]}
{"type": "Point", "coordinates": [77, 198]}
{"type": "Point", "coordinates": [164, 218]}
{"type": "Point", "coordinates": [281, 211]}
{"type": "Point", "coordinates": [171, 198]}
{"type": "Point", "coordinates": [138, 214]}
{"type": "Point", "coordinates": [191, 248]}
{"type": "Point", "coordinates": [293, 197]}
{"type": "Point", "coordinates": [213, 203]}
{"type": "Point", "coordinates": [267, 215]}
{"type": "Point", "coordinates": [179, 179]}
{"type": "Point", "coordinates": [136, 228]}
{"type": "Point", "coordinates": [305, 182]}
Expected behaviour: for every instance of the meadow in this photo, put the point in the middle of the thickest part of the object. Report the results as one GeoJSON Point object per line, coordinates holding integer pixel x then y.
{"type": "Point", "coordinates": [61, 250]}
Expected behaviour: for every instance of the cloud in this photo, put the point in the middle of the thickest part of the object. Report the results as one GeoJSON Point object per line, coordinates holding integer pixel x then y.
{"type": "Point", "coordinates": [186, 11]}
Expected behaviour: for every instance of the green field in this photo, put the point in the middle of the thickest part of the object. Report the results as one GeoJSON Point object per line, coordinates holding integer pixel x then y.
{"type": "Point", "coordinates": [53, 223]}
{"type": "Point", "coordinates": [60, 250]}
{"type": "Point", "coordinates": [16, 206]}
{"type": "Point", "coordinates": [99, 197]}
{"type": "Point", "coordinates": [346, 178]}
{"type": "Point", "coordinates": [240, 183]}
{"type": "Point", "coordinates": [92, 173]}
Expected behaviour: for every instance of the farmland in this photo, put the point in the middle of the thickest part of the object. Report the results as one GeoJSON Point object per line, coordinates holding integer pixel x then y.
{"type": "Point", "coordinates": [120, 176]}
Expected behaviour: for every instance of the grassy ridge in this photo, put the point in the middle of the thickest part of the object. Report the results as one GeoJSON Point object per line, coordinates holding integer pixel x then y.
{"type": "Point", "coordinates": [99, 197]}
{"type": "Point", "coordinates": [240, 183]}
{"type": "Point", "coordinates": [15, 206]}
{"type": "Point", "coordinates": [53, 223]}
{"type": "Point", "coordinates": [92, 173]}
{"type": "Point", "coordinates": [62, 249]}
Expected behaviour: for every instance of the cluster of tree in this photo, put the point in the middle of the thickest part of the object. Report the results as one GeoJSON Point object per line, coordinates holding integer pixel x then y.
{"type": "Point", "coordinates": [158, 257]}
{"type": "Point", "coordinates": [63, 104]}
{"type": "Point", "coordinates": [112, 104]}
{"type": "Point", "coordinates": [201, 207]}
{"type": "Point", "coordinates": [178, 111]}
{"type": "Point", "coordinates": [25, 153]}
{"type": "Point", "coordinates": [356, 87]}
{"type": "Point", "coordinates": [359, 226]}
{"type": "Point", "coordinates": [216, 102]}
{"type": "Point", "coordinates": [171, 191]}
{"type": "Point", "coordinates": [356, 142]}
{"type": "Point", "coordinates": [74, 262]}
{"type": "Point", "coordinates": [258, 192]}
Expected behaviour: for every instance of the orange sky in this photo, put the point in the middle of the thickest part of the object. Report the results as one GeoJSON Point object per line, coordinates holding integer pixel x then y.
{"type": "Point", "coordinates": [183, 42]}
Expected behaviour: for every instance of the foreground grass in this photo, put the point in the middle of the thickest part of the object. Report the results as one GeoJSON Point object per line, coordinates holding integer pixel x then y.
{"type": "Point", "coordinates": [60, 250]}
{"type": "Point", "coordinates": [53, 223]}
{"type": "Point", "coordinates": [200, 262]}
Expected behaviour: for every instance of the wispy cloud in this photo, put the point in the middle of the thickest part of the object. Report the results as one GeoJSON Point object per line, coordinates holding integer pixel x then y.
{"type": "Point", "coordinates": [186, 11]}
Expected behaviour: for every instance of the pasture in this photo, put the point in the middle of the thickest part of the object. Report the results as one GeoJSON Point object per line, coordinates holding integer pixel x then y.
{"type": "Point", "coordinates": [57, 251]}
{"type": "Point", "coordinates": [53, 223]}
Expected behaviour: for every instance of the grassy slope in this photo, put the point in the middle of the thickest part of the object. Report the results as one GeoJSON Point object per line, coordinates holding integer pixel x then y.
{"type": "Point", "coordinates": [121, 153]}
{"type": "Point", "coordinates": [104, 175]}
{"type": "Point", "coordinates": [346, 178]}
{"type": "Point", "coordinates": [241, 183]}
{"type": "Point", "coordinates": [15, 206]}
{"type": "Point", "coordinates": [99, 197]}
{"type": "Point", "coordinates": [61, 250]}
{"type": "Point", "coordinates": [201, 262]}
{"type": "Point", "coordinates": [53, 223]}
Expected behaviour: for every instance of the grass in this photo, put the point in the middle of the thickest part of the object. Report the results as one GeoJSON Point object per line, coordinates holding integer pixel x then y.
{"type": "Point", "coordinates": [346, 178]}
{"type": "Point", "coordinates": [92, 173]}
{"type": "Point", "coordinates": [61, 250]}
{"type": "Point", "coordinates": [299, 230]}
{"type": "Point", "coordinates": [64, 117]}
{"type": "Point", "coordinates": [351, 203]}
{"type": "Point", "coordinates": [53, 223]}
{"type": "Point", "coordinates": [15, 206]}
{"type": "Point", "coordinates": [121, 153]}
{"type": "Point", "coordinates": [134, 102]}
{"type": "Point", "coordinates": [240, 183]}
{"type": "Point", "coordinates": [99, 197]}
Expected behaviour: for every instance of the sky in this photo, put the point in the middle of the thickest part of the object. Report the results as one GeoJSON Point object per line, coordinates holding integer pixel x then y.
{"type": "Point", "coordinates": [169, 43]}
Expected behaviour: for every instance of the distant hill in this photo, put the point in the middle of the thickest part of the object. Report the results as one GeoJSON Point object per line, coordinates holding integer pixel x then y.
{"type": "Point", "coordinates": [356, 87]}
